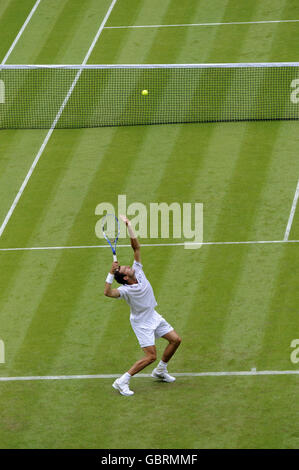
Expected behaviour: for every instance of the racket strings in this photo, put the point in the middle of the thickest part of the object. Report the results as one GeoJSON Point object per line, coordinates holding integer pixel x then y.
{"type": "Point", "coordinates": [111, 228]}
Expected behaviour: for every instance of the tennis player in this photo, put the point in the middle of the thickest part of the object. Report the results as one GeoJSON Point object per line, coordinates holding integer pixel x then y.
{"type": "Point", "coordinates": [146, 322]}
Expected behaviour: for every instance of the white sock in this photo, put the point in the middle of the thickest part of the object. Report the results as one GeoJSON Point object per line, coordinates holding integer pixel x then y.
{"type": "Point", "coordinates": [125, 377]}
{"type": "Point", "coordinates": [162, 365]}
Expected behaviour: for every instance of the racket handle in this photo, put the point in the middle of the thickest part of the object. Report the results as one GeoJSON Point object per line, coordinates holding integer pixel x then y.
{"type": "Point", "coordinates": [114, 258]}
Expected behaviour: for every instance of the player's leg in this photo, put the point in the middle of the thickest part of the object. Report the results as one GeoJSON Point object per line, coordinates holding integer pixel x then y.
{"type": "Point", "coordinates": [174, 341]}
{"type": "Point", "coordinates": [122, 384]}
{"type": "Point", "coordinates": [149, 357]}
{"type": "Point", "coordinates": [146, 339]}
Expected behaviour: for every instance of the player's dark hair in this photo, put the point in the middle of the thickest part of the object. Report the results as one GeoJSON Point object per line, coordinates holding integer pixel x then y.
{"type": "Point", "coordinates": [119, 277]}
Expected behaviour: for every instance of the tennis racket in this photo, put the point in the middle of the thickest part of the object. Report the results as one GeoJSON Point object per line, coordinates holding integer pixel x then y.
{"type": "Point", "coordinates": [111, 230]}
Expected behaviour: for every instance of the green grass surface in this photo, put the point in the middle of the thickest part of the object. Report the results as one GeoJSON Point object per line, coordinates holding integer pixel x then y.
{"type": "Point", "coordinates": [208, 416]}
{"type": "Point", "coordinates": [235, 306]}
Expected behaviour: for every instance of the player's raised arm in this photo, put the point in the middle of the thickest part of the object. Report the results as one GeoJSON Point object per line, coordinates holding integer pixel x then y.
{"type": "Point", "coordinates": [107, 289]}
{"type": "Point", "coordinates": [134, 240]}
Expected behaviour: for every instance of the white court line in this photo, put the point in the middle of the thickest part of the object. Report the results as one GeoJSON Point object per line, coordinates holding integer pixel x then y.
{"type": "Point", "coordinates": [292, 213]}
{"type": "Point", "coordinates": [179, 374]}
{"type": "Point", "coordinates": [20, 33]}
{"type": "Point", "coordinates": [36, 248]}
{"type": "Point", "coordinates": [200, 24]}
{"type": "Point", "coordinates": [46, 140]}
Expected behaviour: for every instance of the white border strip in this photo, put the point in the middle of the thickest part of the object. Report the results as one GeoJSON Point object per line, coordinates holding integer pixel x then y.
{"type": "Point", "coordinates": [149, 66]}
{"type": "Point", "coordinates": [200, 24]}
{"type": "Point", "coordinates": [292, 213]}
{"type": "Point", "coordinates": [20, 33]}
{"type": "Point", "coordinates": [41, 248]}
{"type": "Point", "coordinates": [180, 374]}
{"type": "Point", "coordinates": [46, 140]}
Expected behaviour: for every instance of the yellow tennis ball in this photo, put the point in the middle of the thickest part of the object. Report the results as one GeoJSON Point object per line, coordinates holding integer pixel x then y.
{"type": "Point", "coordinates": [144, 92]}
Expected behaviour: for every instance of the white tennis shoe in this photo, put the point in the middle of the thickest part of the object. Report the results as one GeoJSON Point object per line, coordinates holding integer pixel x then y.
{"type": "Point", "coordinates": [123, 388]}
{"type": "Point", "coordinates": [162, 375]}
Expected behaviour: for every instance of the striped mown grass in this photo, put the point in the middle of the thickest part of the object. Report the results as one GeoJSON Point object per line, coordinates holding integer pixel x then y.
{"type": "Point", "coordinates": [235, 306]}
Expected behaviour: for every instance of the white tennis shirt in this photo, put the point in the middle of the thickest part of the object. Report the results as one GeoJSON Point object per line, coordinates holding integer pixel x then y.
{"type": "Point", "coordinates": [140, 297]}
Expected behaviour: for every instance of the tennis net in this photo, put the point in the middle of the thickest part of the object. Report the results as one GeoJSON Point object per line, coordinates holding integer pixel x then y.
{"type": "Point", "coordinates": [75, 96]}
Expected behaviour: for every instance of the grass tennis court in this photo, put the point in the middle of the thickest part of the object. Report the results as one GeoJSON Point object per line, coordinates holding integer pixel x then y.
{"type": "Point", "coordinates": [234, 304]}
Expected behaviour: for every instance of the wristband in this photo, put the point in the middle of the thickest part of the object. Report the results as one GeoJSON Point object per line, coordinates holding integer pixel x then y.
{"type": "Point", "coordinates": [110, 278]}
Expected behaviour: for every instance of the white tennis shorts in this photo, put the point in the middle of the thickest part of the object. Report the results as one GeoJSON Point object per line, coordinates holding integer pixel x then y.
{"type": "Point", "coordinates": [146, 334]}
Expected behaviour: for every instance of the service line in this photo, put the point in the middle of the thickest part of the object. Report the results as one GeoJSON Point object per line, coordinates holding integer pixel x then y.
{"type": "Point", "coordinates": [82, 247]}
{"type": "Point", "coordinates": [200, 24]}
{"type": "Point", "coordinates": [252, 372]}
